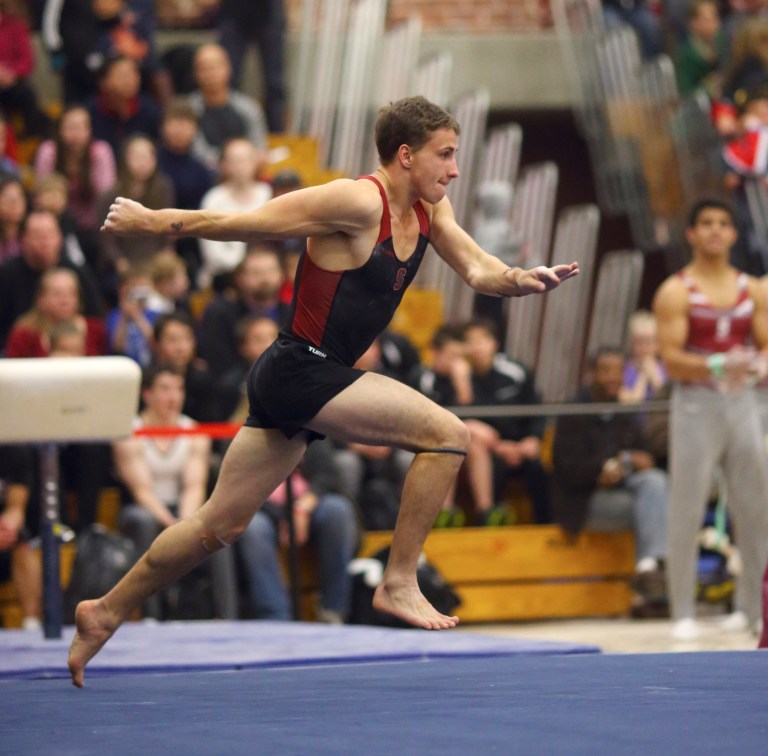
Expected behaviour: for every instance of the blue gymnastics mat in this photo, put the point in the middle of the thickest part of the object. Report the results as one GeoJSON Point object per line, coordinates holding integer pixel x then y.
{"type": "Point", "coordinates": [527, 704]}
{"type": "Point", "coordinates": [218, 645]}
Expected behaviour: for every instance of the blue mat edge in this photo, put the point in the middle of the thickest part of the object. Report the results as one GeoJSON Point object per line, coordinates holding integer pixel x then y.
{"type": "Point", "coordinates": [57, 673]}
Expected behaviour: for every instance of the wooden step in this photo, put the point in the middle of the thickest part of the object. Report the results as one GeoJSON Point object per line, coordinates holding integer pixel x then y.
{"type": "Point", "coordinates": [529, 572]}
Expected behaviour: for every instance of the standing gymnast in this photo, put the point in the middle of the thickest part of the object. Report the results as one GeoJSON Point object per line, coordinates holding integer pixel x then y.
{"type": "Point", "coordinates": [366, 239]}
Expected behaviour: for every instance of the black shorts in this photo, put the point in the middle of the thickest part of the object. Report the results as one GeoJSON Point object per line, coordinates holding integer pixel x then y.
{"type": "Point", "coordinates": [290, 384]}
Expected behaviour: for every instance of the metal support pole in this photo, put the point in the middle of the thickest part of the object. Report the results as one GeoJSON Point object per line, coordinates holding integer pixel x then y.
{"type": "Point", "coordinates": [49, 527]}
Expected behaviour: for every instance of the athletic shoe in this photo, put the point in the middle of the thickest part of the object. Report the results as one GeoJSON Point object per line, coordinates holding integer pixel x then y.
{"type": "Point", "coordinates": [735, 622]}
{"type": "Point", "coordinates": [686, 629]}
{"type": "Point", "coordinates": [495, 517]}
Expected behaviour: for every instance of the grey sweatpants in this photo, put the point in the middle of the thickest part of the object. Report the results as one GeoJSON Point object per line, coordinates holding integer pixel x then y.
{"type": "Point", "coordinates": [709, 429]}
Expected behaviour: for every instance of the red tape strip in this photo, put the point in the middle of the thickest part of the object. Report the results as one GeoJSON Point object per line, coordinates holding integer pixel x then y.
{"type": "Point", "coordinates": [212, 430]}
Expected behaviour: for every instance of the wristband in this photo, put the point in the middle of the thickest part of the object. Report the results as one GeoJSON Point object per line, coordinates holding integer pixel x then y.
{"type": "Point", "coordinates": [716, 365]}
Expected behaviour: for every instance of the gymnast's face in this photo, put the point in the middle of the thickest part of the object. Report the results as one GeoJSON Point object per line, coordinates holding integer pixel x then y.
{"type": "Point", "coordinates": [713, 234]}
{"type": "Point", "coordinates": [433, 166]}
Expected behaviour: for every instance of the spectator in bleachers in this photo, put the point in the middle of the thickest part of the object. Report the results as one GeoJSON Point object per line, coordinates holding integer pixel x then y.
{"type": "Point", "coordinates": [170, 281]}
{"type": "Point", "coordinates": [447, 380]}
{"type": "Point", "coordinates": [240, 190]}
{"type": "Point", "coordinates": [17, 559]}
{"type": "Point", "coordinates": [88, 165]}
{"type": "Point", "coordinates": [51, 194]}
{"type": "Point", "coordinates": [712, 321]}
{"type": "Point", "coordinates": [738, 13]}
{"type": "Point", "coordinates": [84, 466]}
{"type": "Point", "coordinates": [256, 286]}
{"type": "Point", "coordinates": [744, 159]}
{"type": "Point", "coordinates": [190, 176]}
{"type": "Point", "coordinates": [13, 210]}
{"type": "Point", "coordinates": [70, 32]}
{"type": "Point", "coordinates": [502, 448]}
{"type": "Point", "coordinates": [9, 167]}
{"type": "Point", "coordinates": [120, 109]}
{"type": "Point", "coordinates": [254, 335]}
{"type": "Point", "coordinates": [166, 479]}
{"type": "Point", "coordinates": [130, 324]}
{"type": "Point", "coordinates": [175, 344]}
{"type": "Point", "coordinates": [262, 23]}
{"type": "Point", "coordinates": [57, 301]}
{"type": "Point", "coordinates": [223, 113]}
{"type": "Point", "coordinates": [702, 54]}
{"type": "Point", "coordinates": [17, 61]}
{"type": "Point", "coordinates": [645, 23]}
{"type": "Point", "coordinates": [138, 178]}
{"type": "Point", "coordinates": [155, 77]}
{"type": "Point", "coordinates": [644, 373]}
{"type": "Point", "coordinates": [323, 518]}
{"type": "Point", "coordinates": [121, 31]}
{"type": "Point", "coordinates": [746, 69]}
{"type": "Point", "coordinates": [604, 477]}
{"type": "Point", "coordinates": [66, 340]}
{"type": "Point", "coordinates": [82, 34]}
{"type": "Point", "coordinates": [399, 357]}
{"type": "Point", "coordinates": [41, 250]}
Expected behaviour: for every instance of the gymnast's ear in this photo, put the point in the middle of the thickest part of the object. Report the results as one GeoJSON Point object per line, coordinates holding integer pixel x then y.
{"type": "Point", "coordinates": [405, 156]}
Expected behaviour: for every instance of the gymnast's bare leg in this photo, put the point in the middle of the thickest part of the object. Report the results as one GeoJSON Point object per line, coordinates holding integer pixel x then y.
{"type": "Point", "coordinates": [256, 462]}
{"type": "Point", "coordinates": [381, 411]}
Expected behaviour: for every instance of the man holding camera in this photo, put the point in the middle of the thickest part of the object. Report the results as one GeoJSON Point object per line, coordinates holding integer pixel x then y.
{"type": "Point", "coordinates": [605, 478]}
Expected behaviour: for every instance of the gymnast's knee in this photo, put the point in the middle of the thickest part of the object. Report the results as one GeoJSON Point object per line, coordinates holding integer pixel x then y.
{"type": "Point", "coordinates": [213, 542]}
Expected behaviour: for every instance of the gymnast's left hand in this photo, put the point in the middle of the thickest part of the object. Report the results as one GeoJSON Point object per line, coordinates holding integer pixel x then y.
{"type": "Point", "coordinates": [541, 279]}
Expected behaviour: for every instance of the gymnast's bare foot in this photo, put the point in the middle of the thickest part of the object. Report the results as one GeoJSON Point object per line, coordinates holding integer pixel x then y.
{"type": "Point", "coordinates": [93, 630]}
{"type": "Point", "coordinates": [407, 602]}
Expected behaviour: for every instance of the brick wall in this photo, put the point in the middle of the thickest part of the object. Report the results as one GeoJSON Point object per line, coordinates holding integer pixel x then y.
{"type": "Point", "coordinates": [475, 16]}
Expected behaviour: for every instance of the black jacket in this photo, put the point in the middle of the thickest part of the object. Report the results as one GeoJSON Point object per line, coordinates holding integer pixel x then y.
{"type": "Point", "coordinates": [582, 444]}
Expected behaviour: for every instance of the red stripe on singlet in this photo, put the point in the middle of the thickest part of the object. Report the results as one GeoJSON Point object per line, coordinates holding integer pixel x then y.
{"type": "Point", "coordinates": [317, 288]}
{"type": "Point", "coordinates": [385, 229]}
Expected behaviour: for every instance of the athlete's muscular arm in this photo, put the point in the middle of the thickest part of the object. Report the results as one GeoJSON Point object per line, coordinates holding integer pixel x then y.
{"type": "Point", "coordinates": [337, 207]}
{"type": "Point", "coordinates": [195, 476]}
{"type": "Point", "coordinates": [483, 272]}
{"type": "Point", "coordinates": [670, 306]}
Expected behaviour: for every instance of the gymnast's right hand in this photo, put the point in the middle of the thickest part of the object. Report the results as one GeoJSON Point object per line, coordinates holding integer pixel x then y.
{"type": "Point", "coordinates": [126, 218]}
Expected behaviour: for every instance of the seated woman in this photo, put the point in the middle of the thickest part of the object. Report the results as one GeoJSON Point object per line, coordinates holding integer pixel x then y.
{"type": "Point", "coordinates": [57, 301]}
{"type": "Point", "coordinates": [89, 166]}
{"type": "Point", "coordinates": [138, 178]}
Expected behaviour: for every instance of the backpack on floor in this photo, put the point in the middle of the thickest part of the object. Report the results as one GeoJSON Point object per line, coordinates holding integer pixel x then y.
{"type": "Point", "coordinates": [103, 557]}
{"type": "Point", "coordinates": [366, 575]}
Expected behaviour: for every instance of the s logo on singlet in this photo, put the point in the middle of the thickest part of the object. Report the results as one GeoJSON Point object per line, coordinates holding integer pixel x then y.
{"type": "Point", "coordinates": [399, 279]}
{"type": "Point", "coordinates": [723, 328]}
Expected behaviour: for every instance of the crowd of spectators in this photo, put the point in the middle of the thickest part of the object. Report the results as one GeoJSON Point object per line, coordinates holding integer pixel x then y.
{"type": "Point", "coordinates": [196, 315]}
